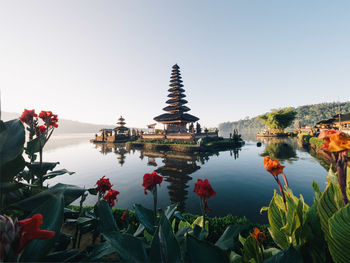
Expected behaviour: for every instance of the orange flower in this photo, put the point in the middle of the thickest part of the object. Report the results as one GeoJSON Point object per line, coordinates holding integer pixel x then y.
{"type": "Point", "coordinates": [335, 141]}
{"type": "Point", "coordinates": [273, 166]}
{"type": "Point", "coordinates": [258, 235]}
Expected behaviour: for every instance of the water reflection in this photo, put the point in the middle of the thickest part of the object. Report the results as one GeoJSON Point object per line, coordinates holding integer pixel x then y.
{"type": "Point", "coordinates": [175, 167]}
{"type": "Point", "coordinates": [118, 148]}
{"type": "Point", "coordinates": [283, 149]}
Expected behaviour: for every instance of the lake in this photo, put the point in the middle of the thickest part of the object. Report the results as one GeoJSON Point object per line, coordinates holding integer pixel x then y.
{"type": "Point", "coordinates": [242, 184]}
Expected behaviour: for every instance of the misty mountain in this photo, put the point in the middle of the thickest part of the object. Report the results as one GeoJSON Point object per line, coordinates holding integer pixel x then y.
{"type": "Point", "coordinates": [64, 125]}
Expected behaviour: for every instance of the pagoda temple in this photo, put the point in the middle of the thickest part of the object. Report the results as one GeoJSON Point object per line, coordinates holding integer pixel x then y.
{"type": "Point", "coordinates": [121, 129]}
{"type": "Point", "coordinates": [176, 119]}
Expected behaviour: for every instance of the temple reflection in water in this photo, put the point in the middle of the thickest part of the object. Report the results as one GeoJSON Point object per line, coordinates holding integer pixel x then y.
{"type": "Point", "coordinates": [175, 167]}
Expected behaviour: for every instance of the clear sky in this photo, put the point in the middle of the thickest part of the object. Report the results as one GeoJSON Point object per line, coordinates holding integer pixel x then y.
{"type": "Point", "coordinates": [95, 60]}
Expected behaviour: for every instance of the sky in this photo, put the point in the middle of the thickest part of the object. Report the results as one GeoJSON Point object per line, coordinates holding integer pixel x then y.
{"type": "Point", "coordinates": [93, 61]}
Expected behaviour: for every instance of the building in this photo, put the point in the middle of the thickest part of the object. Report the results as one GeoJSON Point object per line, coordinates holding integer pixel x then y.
{"type": "Point", "coordinates": [177, 118]}
{"type": "Point", "coordinates": [118, 134]}
{"type": "Point", "coordinates": [339, 121]}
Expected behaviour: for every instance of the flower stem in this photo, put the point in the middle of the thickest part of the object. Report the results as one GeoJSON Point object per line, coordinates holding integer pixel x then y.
{"type": "Point", "coordinates": [281, 190]}
{"type": "Point", "coordinates": [285, 180]}
{"type": "Point", "coordinates": [262, 252]}
{"type": "Point", "coordinates": [155, 202]}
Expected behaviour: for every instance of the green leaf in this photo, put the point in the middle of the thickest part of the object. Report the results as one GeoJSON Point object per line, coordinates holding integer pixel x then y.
{"type": "Point", "coordinates": [170, 210]}
{"type": "Point", "coordinates": [317, 191]}
{"type": "Point", "coordinates": [178, 215]}
{"type": "Point", "coordinates": [92, 191]}
{"type": "Point", "coordinates": [61, 256]}
{"type": "Point", "coordinates": [330, 202]}
{"type": "Point", "coordinates": [107, 222]}
{"type": "Point", "coordinates": [99, 251]}
{"type": "Point", "coordinates": [82, 221]}
{"type": "Point", "coordinates": [289, 255]}
{"type": "Point", "coordinates": [10, 187]}
{"type": "Point", "coordinates": [203, 251]}
{"type": "Point", "coordinates": [41, 169]}
{"type": "Point", "coordinates": [164, 245]}
{"type": "Point", "coordinates": [12, 168]}
{"type": "Point", "coordinates": [332, 177]}
{"type": "Point", "coordinates": [271, 252]}
{"type": "Point", "coordinates": [11, 140]}
{"type": "Point", "coordinates": [62, 241]}
{"type": "Point", "coordinates": [55, 173]}
{"type": "Point", "coordinates": [70, 193]}
{"type": "Point", "coordinates": [52, 212]}
{"type": "Point", "coordinates": [235, 258]}
{"type": "Point", "coordinates": [263, 209]}
{"type": "Point", "coordinates": [339, 226]}
{"type": "Point", "coordinates": [251, 250]}
{"type": "Point", "coordinates": [145, 217]}
{"type": "Point", "coordinates": [226, 241]}
{"type": "Point", "coordinates": [139, 230]}
{"type": "Point", "coordinates": [129, 248]}
{"type": "Point", "coordinates": [277, 220]}
{"type": "Point", "coordinates": [35, 145]}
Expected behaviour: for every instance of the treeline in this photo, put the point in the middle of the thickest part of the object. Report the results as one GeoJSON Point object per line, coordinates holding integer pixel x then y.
{"type": "Point", "coordinates": [307, 114]}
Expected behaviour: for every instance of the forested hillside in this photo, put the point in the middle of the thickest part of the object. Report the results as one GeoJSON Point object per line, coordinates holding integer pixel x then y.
{"type": "Point", "coordinates": [307, 114]}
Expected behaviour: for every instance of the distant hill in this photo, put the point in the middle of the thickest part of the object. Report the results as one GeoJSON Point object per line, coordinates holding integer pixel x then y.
{"type": "Point", "coordinates": [307, 114]}
{"type": "Point", "coordinates": [65, 126]}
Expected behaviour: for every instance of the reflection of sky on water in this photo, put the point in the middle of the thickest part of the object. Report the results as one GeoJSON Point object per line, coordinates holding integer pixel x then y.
{"type": "Point", "coordinates": [243, 186]}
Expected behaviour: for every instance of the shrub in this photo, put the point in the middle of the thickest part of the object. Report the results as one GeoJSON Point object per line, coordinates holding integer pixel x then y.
{"type": "Point", "coordinates": [316, 142]}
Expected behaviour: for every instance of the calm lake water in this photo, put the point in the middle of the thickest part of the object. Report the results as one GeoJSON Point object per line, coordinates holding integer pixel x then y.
{"type": "Point", "coordinates": [242, 185]}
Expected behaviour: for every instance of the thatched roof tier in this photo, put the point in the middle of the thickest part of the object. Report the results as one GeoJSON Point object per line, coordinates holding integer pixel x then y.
{"type": "Point", "coordinates": [171, 101]}
{"type": "Point", "coordinates": [121, 128]}
{"type": "Point", "coordinates": [176, 90]}
{"type": "Point", "coordinates": [172, 117]}
{"type": "Point", "coordinates": [176, 108]}
{"type": "Point", "coordinates": [343, 117]}
{"type": "Point", "coordinates": [171, 95]}
{"type": "Point", "coordinates": [175, 85]}
{"type": "Point", "coordinates": [177, 80]}
{"type": "Point", "coordinates": [329, 121]}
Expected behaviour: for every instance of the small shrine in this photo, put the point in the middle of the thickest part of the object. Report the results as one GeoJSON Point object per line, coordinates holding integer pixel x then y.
{"type": "Point", "coordinates": [118, 134]}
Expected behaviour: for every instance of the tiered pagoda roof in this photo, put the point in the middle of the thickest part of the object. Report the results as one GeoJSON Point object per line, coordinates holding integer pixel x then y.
{"type": "Point", "coordinates": [177, 110]}
{"type": "Point", "coordinates": [120, 124]}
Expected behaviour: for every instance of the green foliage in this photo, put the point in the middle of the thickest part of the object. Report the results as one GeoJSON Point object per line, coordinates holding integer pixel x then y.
{"type": "Point", "coordinates": [319, 233]}
{"type": "Point", "coordinates": [279, 119]}
{"type": "Point", "coordinates": [306, 115]}
{"type": "Point", "coordinates": [304, 137]}
{"type": "Point", "coordinates": [316, 142]}
{"type": "Point", "coordinates": [11, 140]}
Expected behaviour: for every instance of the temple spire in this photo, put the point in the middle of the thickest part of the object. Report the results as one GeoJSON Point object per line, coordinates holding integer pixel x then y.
{"type": "Point", "coordinates": [176, 118]}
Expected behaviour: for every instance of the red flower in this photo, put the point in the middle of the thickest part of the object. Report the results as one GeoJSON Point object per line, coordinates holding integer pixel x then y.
{"type": "Point", "coordinates": [49, 118]}
{"type": "Point", "coordinates": [41, 129]}
{"type": "Point", "coordinates": [151, 180]}
{"type": "Point", "coordinates": [103, 185]}
{"type": "Point", "coordinates": [204, 189]}
{"type": "Point", "coordinates": [27, 116]}
{"type": "Point", "coordinates": [30, 230]}
{"type": "Point", "coordinates": [123, 217]}
{"type": "Point", "coordinates": [111, 196]}
{"type": "Point", "coordinates": [273, 166]}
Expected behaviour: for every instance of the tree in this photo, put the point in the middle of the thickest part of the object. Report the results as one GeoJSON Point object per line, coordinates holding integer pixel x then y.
{"type": "Point", "coordinates": [278, 120]}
